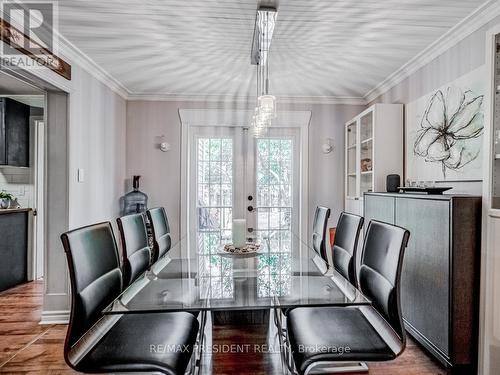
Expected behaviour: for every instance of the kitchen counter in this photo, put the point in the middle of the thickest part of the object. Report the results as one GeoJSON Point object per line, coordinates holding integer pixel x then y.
{"type": "Point", "coordinates": [5, 211]}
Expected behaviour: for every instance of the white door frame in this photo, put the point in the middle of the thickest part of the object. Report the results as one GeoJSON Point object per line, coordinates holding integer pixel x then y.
{"type": "Point", "coordinates": [489, 330]}
{"type": "Point", "coordinates": [231, 118]}
{"type": "Point", "coordinates": [38, 200]}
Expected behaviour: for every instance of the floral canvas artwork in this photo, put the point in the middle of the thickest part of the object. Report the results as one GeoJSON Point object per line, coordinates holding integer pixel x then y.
{"type": "Point", "coordinates": [444, 132]}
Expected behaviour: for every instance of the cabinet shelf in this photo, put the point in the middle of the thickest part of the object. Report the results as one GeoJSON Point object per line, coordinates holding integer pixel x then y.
{"type": "Point", "coordinates": [367, 172]}
{"type": "Point", "coordinates": [366, 140]}
{"type": "Point", "coordinates": [351, 147]}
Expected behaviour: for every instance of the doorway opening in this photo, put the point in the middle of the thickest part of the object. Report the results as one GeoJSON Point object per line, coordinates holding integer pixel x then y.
{"type": "Point", "coordinates": [22, 183]}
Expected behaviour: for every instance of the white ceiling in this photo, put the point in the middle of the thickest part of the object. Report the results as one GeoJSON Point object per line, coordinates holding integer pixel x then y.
{"type": "Point", "coordinates": [328, 48]}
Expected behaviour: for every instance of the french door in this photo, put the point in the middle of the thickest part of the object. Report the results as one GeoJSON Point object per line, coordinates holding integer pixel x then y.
{"type": "Point", "coordinates": [234, 175]}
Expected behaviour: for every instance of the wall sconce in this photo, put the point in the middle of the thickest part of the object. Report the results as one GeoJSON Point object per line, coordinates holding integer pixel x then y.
{"type": "Point", "coordinates": [327, 146]}
{"type": "Point", "coordinates": [162, 144]}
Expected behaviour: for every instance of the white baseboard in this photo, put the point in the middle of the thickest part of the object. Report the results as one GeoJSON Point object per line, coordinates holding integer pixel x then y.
{"type": "Point", "coordinates": [55, 317]}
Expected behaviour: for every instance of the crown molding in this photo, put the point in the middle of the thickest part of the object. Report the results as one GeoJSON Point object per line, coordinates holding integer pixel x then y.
{"type": "Point", "coordinates": [245, 99]}
{"type": "Point", "coordinates": [480, 17]}
{"type": "Point", "coordinates": [77, 57]}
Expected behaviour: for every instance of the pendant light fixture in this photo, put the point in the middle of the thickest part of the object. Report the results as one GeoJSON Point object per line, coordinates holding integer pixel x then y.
{"type": "Point", "coordinates": [265, 110]}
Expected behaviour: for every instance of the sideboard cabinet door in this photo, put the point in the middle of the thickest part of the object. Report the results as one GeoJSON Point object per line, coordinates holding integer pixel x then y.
{"type": "Point", "coordinates": [425, 278]}
{"type": "Point", "coordinates": [379, 207]}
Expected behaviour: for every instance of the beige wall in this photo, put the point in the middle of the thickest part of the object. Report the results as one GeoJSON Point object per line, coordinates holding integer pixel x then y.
{"type": "Point", "coordinates": [160, 171]}
{"type": "Point", "coordinates": [466, 56]}
{"type": "Point", "coordinates": [97, 139]}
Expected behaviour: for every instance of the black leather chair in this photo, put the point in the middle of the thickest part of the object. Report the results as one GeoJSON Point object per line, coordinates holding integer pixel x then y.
{"type": "Point", "coordinates": [162, 242]}
{"type": "Point", "coordinates": [318, 336]}
{"type": "Point", "coordinates": [346, 244]}
{"type": "Point", "coordinates": [161, 232]}
{"type": "Point", "coordinates": [116, 343]}
{"type": "Point", "coordinates": [320, 223]}
{"type": "Point", "coordinates": [136, 254]}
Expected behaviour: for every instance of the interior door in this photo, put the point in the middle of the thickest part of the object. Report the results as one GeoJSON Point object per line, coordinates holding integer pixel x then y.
{"type": "Point", "coordinates": [39, 241]}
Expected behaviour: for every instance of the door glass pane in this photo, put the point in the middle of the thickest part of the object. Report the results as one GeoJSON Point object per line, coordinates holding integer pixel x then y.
{"type": "Point", "coordinates": [214, 208]}
{"type": "Point", "coordinates": [366, 126]}
{"type": "Point", "coordinates": [274, 203]}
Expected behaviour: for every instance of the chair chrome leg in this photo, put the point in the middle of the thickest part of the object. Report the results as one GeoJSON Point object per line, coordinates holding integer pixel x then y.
{"type": "Point", "coordinates": [335, 367]}
{"type": "Point", "coordinates": [196, 359]}
{"type": "Point", "coordinates": [285, 350]}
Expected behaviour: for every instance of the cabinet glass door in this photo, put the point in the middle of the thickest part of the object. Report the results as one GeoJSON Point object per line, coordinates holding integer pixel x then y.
{"type": "Point", "coordinates": [366, 153]}
{"type": "Point", "coordinates": [351, 159]}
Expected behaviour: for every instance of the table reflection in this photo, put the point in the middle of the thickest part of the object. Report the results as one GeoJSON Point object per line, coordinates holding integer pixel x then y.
{"type": "Point", "coordinates": [270, 269]}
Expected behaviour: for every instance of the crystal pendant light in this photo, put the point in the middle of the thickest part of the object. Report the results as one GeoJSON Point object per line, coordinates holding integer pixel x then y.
{"type": "Point", "coordinates": [265, 111]}
{"type": "Point", "coordinates": [267, 105]}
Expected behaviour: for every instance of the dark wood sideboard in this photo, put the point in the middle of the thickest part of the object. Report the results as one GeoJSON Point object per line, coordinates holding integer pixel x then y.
{"type": "Point", "coordinates": [441, 268]}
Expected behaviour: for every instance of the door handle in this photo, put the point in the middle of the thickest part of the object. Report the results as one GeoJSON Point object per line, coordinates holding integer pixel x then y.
{"type": "Point", "coordinates": [250, 208]}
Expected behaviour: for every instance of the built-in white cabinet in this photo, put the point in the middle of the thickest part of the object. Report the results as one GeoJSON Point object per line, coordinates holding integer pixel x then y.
{"type": "Point", "coordinates": [373, 150]}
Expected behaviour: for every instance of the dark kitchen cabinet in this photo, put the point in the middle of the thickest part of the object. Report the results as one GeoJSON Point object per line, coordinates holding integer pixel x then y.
{"type": "Point", "coordinates": [13, 247]}
{"type": "Point", "coordinates": [14, 133]}
{"type": "Point", "coordinates": [440, 277]}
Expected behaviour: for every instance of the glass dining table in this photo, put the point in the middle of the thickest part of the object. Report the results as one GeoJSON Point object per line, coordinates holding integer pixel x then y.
{"type": "Point", "coordinates": [214, 280]}
{"type": "Point", "coordinates": [224, 288]}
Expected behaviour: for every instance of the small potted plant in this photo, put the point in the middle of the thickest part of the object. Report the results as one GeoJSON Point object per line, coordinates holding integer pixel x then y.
{"type": "Point", "coordinates": [5, 199]}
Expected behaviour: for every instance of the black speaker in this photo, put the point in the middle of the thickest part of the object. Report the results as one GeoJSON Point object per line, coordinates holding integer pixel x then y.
{"type": "Point", "coordinates": [393, 182]}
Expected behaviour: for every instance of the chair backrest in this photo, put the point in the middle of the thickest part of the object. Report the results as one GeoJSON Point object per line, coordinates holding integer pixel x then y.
{"type": "Point", "coordinates": [136, 254]}
{"type": "Point", "coordinates": [95, 275]}
{"type": "Point", "coordinates": [380, 271]}
{"type": "Point", "coordinates": [161, 232]}
{"type": "Point", "coordinates": [320, 223]}
{"type": "Point", "coordinates": [346, 244]}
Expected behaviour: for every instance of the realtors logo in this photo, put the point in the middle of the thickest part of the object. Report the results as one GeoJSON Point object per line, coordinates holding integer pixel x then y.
{"type": "Point", "coordinates": [28, 30]}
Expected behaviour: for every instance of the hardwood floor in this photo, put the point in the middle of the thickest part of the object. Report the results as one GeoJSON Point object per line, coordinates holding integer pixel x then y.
{"type": "Point", "coordinates": [27, 347]}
